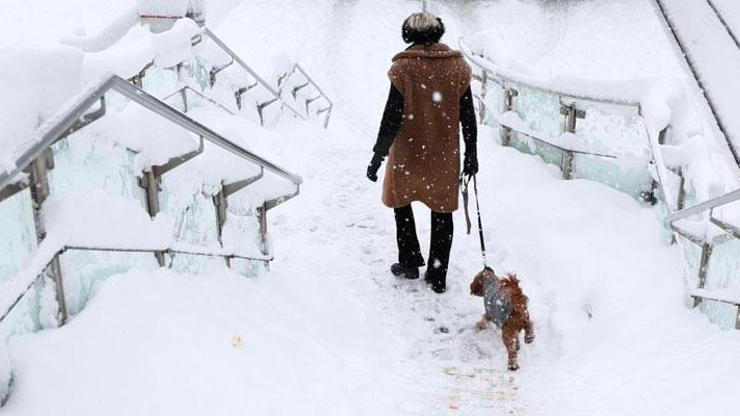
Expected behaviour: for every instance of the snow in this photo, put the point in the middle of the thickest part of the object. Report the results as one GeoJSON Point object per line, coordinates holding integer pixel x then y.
{"type": "Point", "coordinates": [156, 140]}
{"type": "Point", "coordinates": [167, 7]}
{"type": "Point", "coordinates": [104, 38]}
{"type": "Point", "coordinates": [713, 53]}
{"type": "Point", "coordinates": [695, 159]}
{"type": "Point", "coordinates": [48, 76]}
{"type": "Point", "coordinates": [78, 219]}
{"type": "Point", "coordinates": [138, 47]}
{"type": "Point", "coordinates": [328, 330]}
{"type": "Point", "coordinates": [280, 366]}
{"type": "Point", "coordinates": [648, 77]}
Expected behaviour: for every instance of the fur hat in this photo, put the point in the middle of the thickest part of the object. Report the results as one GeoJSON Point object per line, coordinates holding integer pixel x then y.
{"type": "Point", "coordinates": [423, 28]}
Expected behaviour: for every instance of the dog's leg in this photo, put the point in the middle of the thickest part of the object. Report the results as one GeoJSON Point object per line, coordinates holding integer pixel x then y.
{"type": "Point", "coordinates": [483, 323]}
{"type": "Point", "coordinates": [529, 331]}
{"type": "Point", "coordinates": [509, 335]}
{"type": "Point", "coordinates": [518, 344]}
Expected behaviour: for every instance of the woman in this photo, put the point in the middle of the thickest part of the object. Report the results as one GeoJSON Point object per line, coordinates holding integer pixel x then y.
{"type": "Point", "coordinates": [430, 96]}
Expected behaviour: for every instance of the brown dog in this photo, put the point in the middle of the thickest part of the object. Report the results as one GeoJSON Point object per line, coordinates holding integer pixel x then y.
{"type": "Point", "coordinates": [506, 306]}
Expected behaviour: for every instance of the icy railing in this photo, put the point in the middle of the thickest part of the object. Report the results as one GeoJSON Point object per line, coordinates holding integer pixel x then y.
{"type": "Point", "coordinates": [708, 231]}
{"type": "Point", "coordinates": [608, 139]}
{"type": "Point", "coordinates": [588, 137]}
{"type": "Point", "coordinates": [76, 209]}
{"type": "Point", "coordinates": [302, 88]}
{"type": "Point", "coordinates": [159, 63]}
{"type": "Point", "coordinates": [707, 224]}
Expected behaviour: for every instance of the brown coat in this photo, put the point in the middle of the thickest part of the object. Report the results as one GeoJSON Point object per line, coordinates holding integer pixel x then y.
{"type": "Point", "coordinates": [424, 160]}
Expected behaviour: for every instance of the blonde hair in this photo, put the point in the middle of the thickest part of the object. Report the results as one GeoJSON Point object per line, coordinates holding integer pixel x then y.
{"type": "Point", "coordinates": [422, 21]}
{"type": "Point", "coordinates": [423, 28]}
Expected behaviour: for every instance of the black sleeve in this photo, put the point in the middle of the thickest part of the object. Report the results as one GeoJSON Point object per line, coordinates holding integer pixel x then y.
{"type": "Point", "coordinates": [391, 123]}
{"type": "Point", "coordinates": [467, 119]}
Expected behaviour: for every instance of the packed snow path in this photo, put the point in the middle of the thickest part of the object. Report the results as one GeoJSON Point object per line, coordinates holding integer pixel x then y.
{"type": "Point", "coordinates": [329, 331]}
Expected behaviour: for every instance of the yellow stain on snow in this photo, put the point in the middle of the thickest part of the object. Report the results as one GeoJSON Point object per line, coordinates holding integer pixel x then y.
{"type": "Point", "coordinates": [236, 341]}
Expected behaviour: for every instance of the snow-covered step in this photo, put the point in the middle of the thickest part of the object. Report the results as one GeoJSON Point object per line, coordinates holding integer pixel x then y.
{"type": "Point", "coordinates": [705, 35]}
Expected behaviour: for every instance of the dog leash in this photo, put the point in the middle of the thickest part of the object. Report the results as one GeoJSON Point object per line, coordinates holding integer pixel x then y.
{"type": "Point", "coordinates": [465, 193]}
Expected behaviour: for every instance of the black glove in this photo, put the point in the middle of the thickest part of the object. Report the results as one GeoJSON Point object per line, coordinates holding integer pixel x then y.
{"type": "Point", "coordinates": [470, 165]}
{"type": "Point", "coordinates": [372, 169]}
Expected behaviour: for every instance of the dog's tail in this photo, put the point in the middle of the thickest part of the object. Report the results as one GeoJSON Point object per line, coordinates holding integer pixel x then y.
{"type": "Point", "coordinates": [512, 278]}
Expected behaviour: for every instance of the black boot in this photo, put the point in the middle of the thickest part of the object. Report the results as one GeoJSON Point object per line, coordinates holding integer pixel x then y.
{"type": "Point", "coordinates": [435, 282]}
{"type": "Point", "coordinates": [399, 270]}
{"type": "Point", "coordinates": [409, 253]}
{"type": "Point", "coordinates": [439, 251]}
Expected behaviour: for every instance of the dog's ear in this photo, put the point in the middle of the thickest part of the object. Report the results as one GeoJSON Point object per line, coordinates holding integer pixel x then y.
{"type": "Point", "coordinates": [476, 286]}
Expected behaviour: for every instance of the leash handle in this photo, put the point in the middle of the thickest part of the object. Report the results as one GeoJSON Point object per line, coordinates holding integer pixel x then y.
{"type": "Point", "coordinates": [464, 184]}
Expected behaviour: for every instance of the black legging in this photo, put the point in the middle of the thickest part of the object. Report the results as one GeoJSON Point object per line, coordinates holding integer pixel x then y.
{"type": "Point", "coordinates": [409, 252]}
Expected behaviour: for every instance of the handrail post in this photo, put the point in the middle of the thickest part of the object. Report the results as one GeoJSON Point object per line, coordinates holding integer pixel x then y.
{"type": "Point", "coordinates": [151, 184]}
{"type": "Point", "coordinates": [509, 94]}
{"type": "Point", "coordinates": [571, 114]}
{"type": "Point", "coordinates": [184, 96]}
{"type": "Point", "coordinates": [482, 102]}
{"type": "Point", "coordinates": [221, 202]}
{"type": "Point", "coordinates": [706, 254]}
{"type": "Point", "coordinates": [262, 215]}
{"type": "Point", "coordinates": [40, 190]}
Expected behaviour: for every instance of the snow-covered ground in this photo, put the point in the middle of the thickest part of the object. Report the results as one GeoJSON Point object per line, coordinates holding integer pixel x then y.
{"type": "Point", "coordinates": [329, 331]}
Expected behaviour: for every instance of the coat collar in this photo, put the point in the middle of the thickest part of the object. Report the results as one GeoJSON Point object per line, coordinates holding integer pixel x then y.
{"type": "Point", "coordinates": [435, 50]}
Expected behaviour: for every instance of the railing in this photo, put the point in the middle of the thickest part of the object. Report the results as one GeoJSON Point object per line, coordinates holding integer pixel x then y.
{"type": "Point", "coordinates": [275, 95]}
{"type": "Point", "coordinates": [562, 120]}
{"type": "Point", "coordinates": [36, 161]}
{"type": "Point", "coordinates": [258, 81]}
{"type": "Point", "coordinates": [700, 247]}
{"type": "Point", "coordinates": [708, 242]}
{"type": "Point", "coordinates": [182, 94]}
{"type": "Point", "coordinates": [305, 81]}
{"type": "Point", "coordinates": [24, 189]}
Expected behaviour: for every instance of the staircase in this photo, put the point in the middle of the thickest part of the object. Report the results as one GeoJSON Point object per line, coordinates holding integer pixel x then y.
{"type": "Point", "coordinates": [125, 175]}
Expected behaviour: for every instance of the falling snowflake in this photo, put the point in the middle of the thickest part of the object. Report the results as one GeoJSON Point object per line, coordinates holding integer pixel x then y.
{"type": "Point", "coordinates": [437, 97]}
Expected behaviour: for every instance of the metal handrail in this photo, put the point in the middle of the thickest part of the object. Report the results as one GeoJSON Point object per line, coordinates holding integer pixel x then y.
{"type": "Point", "coordinates": [484, 64]}
{"type": "Point", "coordinates": [675, 210]}
{"type": "Point", "coordinates": [57, 125]}
{"type": "Point", "coordinates": [250, 71]}
{"type": "Point", "coordinates": [568, 108]}
{"type": "Point", "coordinates": [725, 199]}
{"type": "Point", "coordinates": [187, 88]}
{"type": "Point", "coordinates": [175, 249]}
{"type": "Point", "coordinates": [309, 81]}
